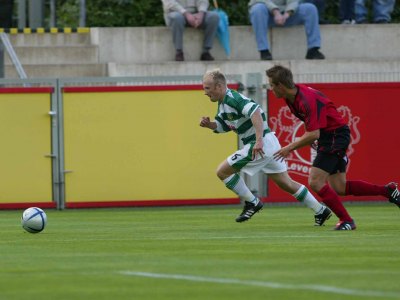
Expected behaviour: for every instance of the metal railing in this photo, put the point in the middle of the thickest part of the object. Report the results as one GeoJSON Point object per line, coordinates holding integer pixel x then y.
{"type": "Point", "coordinates": [13, 56]}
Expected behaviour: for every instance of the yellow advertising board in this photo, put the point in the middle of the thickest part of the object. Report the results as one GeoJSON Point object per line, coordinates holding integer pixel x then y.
{"type": "Point", "coordinates": [25, 131]}
{"type": "Point", "coordinates": [141, 145]}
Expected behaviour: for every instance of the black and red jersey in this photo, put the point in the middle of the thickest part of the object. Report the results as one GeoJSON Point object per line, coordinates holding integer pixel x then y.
{"type": "Point", "coordinates": [315, 110]}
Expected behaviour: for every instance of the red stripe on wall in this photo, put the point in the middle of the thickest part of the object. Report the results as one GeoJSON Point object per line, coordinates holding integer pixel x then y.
{"type": "Point", "coordinates": [27, 90]}
{"type": "Point", "coordinates": [104, 204]}
{"type": "Point", "coordinates": [27, 205]}
{"type": "Point", "coordinates": [357, 85]}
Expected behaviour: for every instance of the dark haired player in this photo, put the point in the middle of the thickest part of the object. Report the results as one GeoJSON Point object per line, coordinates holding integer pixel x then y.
{"type": "Point", "coordinates": [325, 125]}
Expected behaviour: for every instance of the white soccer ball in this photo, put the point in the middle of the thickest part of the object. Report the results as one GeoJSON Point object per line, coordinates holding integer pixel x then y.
{"type": "Point", "coordinates": [34, 220]}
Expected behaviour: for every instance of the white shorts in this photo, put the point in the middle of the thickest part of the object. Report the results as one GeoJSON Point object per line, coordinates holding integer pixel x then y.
{"type": "Point", "coordinates": [241, 159]}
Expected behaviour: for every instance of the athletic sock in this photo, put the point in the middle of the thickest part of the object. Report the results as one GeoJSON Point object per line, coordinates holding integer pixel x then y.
{"type": "Point", "coordinates": [303, 195]}
{"type": "Point", "coordinates": [238, 186]}
{"type": "Point", "coordinates": [363, 188]}
{"type": "Point", "coordinates": [331, 199]}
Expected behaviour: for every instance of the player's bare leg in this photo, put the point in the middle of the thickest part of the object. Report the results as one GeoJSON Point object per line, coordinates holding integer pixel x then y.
{"type": "Point", "coordinates": [234, 182]}
{"type": "Point", "coordinates": [301, 193]}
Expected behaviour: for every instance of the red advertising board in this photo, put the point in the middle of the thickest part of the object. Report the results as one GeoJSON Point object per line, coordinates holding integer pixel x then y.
{"type": "Point", "coordinates": [372, 112]}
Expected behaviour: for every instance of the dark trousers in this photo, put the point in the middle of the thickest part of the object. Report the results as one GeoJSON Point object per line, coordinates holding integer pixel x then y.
{"type": "Point", "coordinates": [6, 13]}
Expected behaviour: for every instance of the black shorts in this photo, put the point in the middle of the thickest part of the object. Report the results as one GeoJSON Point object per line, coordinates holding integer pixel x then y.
{"type": "Point", "coordinates": [331, 163]}
{"type": "Point", "coordinates": [331, 152]}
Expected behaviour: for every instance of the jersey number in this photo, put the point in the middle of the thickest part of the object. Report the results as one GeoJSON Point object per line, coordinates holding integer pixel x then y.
{"type": "Point", "coordinates": [235, 156]}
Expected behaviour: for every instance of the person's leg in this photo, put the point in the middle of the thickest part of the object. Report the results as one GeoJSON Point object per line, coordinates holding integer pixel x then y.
{"type": "Point", "coordinates": [382, 10]}
{"type": "Point", "coordinates": [362, 188]}
{"type": "Point", "coordinates": [232, 180]}
{"type": "Point", "coordinates": [338, 183]}
{"type": "Point", "coordinates": [6, 13]}
{"type": "Point", "coordinates": [346, 11]}
{"type": "Point", "coordinates": [318, 182]}
{"type": "Point", "coordinates": [320, 5]}
{"type": "Point", "coordinates": [228, 172]}
{"type": "Point", "coordinates": [352, 10]}
{"type": "Point", "coordinates": [177, 23]}
{"type": "Point", "coordinates": [210, 26]}
{"type": "Point", "coordinates": [342, 10]}
{"type": "Point", "coordinates": [307, 14]}
{"type": "Point", "coordinates": [277, 171]}
{"type": "Point", "coordinates": [361, 12]}
{"type": "Point", "coordinates": [297, 190]}
{"type": "Point", "coordinates": [301, 193]}
{"type": "Point", "coordinates": [259, 18]}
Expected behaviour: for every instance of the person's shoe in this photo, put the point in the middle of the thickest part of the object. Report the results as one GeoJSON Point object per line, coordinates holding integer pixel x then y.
{"type": "Point", "coordinates": [322, 217]}
{"type": "Point", "coordinates": [179, 55]}
{"type": "Point", "coordinates": [344, 225]}
{"type": "Point", "coordinates": [249, 210]}
{"type": "Point", "coordinates": [348, 22]}
{"type": "Point", "coordinates": [394, 193]}
{"type": "Point", "coordinates": [314, 53]}
{"type": "Point", "coordinates": [381, 22]}
{"type": "Point", "coordinates": [265, 55]}
{"type": "Point", "coordinates": [206, 56]}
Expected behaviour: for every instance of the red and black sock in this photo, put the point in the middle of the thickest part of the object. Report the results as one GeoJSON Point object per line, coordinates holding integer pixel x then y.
{"type": "Point", "coordinates": [331, 199]}
{"type": "Point", "coordinates": [363, 188]}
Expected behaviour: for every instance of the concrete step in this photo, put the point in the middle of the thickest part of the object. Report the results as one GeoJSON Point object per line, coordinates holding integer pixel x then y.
{"type": "Point", "coordinates": [49, 39]}
{"type": "Point", "coordinates": [329, 70]}
{"type": "Point", "coordinates": [55, 55]}
{"type": "Point", "coordinates": [148, 51]}
{"type": "Point", "coordinates": [154, 44]}
{"type": "Point", "coordinates": [59, 70]}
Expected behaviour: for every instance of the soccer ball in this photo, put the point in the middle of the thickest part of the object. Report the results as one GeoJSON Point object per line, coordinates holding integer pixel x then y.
{"type": "Point", "coordinates": [33, 220]}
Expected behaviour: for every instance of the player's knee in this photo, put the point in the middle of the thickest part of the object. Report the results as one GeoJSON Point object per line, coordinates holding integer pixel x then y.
{"type": "Point", "coordinates": [315, 184]}
{"type": "Point", "coordinates": [340, 190]}
{"type": "Point", "coordinates": [221, 174]}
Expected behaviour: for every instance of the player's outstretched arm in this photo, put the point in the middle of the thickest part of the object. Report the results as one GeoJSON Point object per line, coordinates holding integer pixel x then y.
{"type": "Point", "coordinates": [306, 139]}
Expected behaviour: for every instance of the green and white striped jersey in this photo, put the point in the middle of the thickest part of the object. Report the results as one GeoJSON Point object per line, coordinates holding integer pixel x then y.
{"type": "Point", "coordinates": [234, 113]}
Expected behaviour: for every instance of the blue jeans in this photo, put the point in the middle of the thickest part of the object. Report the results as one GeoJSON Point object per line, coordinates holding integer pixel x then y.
{"type": "Point", "coordinates": [320, 5]}
{"type": "Point", "coordinates": [306, 14]}
{"type": "Point", "coordinates": [381, 10]}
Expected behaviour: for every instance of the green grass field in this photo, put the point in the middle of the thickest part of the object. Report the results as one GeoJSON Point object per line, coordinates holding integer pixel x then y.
{"type": "Point", "coordinates": [201, 253]}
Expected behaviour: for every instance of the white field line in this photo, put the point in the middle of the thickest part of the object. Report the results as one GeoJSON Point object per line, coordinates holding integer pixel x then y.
{"type": "Point", "coordinates": [267, 284]}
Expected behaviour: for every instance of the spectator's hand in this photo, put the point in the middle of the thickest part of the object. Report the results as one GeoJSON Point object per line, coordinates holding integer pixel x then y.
{"type": "Point", "coordinates": [279, 19]}
{"type": "Point", "coordinates": [191, 19]}
{"type": "Point", "coordinates": [286, 16]}
{"type": "Point", "coordinates": [199, 18]}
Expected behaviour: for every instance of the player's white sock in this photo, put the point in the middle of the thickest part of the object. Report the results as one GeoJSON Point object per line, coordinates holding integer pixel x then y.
{"type": "Point", "coordinates": [303, 195]}
{"type": "Point", "coordinates": [237, 185]}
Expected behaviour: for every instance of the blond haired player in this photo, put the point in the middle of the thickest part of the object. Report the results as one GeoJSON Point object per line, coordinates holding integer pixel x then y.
{"type": "Point", "coordinates": [243, 116]}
